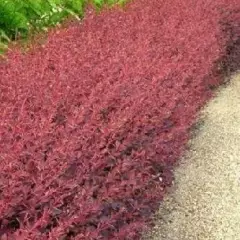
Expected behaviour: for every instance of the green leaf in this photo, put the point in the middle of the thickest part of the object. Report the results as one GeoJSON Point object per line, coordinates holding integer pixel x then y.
{"type": "Point", "coordinates": [3, 36]}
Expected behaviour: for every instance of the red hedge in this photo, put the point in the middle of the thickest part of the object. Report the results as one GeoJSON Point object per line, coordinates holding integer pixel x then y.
{"type": "Point", "coordinates": [92, 123]}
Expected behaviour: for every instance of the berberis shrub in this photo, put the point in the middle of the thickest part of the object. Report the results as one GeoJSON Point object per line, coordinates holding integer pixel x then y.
{"type": "Point", "coordinates": [93, 122]}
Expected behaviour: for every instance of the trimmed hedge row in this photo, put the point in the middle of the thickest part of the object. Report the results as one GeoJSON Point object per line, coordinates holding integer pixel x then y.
{"type": "Point", "coordinates": [93, 122]}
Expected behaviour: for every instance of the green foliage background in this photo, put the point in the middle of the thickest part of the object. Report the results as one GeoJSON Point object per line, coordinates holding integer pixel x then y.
{"type": "Point", "coordinates": [20, 17]}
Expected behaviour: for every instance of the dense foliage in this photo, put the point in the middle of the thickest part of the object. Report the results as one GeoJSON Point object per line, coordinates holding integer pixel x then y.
{"type": "Point", "coordinates": [93, 122]}
{"type": "Point", "coordinates": [19, 17]}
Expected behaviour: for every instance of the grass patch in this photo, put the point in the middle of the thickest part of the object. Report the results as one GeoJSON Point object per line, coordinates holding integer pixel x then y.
{"type": "Point", "coordinates": [21, 17]}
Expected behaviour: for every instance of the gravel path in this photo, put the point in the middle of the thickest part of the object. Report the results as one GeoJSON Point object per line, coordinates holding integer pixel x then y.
{"type": "Point", "coordinates": [205, 202]}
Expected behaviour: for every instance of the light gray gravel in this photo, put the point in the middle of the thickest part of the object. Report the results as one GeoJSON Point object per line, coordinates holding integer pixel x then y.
{"type": "Point", "coordinates": [204, 203]}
